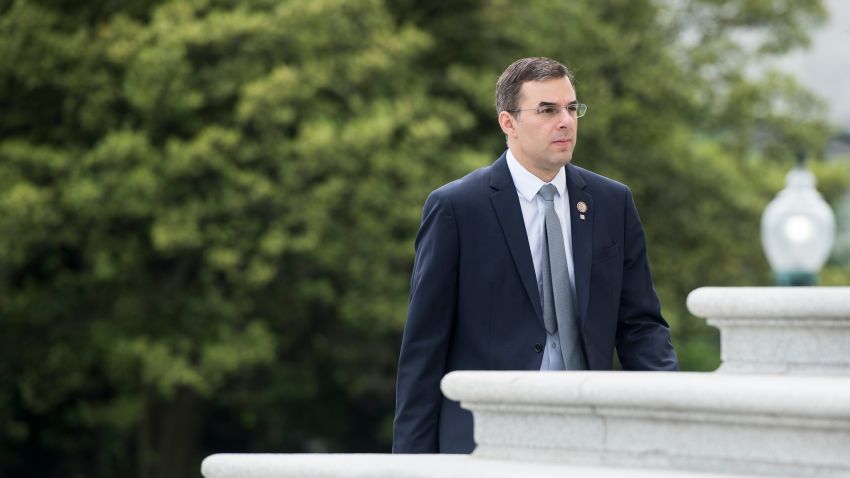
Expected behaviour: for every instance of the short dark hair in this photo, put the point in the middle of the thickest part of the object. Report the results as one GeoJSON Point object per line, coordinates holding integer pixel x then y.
{"type": "Point", "coordinates": [522, 70]}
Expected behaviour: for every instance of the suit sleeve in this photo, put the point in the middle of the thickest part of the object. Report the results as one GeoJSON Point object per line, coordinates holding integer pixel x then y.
{"type": "Point", "coordinates": [430, 320]}
{"type": "Point", "coordinates": [643, 336]}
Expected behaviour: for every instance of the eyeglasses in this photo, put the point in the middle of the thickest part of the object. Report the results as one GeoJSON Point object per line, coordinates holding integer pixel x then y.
{"type": "Point", "coordinates": [550, 112]}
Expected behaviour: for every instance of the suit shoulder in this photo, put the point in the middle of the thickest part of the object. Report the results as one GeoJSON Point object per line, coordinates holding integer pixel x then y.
{"type": "Point", "coordinates": [460, 188]}
{"type": "Point", "coordinates": [600, 182]}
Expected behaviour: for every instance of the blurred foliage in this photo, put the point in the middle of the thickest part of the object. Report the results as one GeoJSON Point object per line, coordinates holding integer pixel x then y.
{"type": "Point", "coordinates": [207, 207]}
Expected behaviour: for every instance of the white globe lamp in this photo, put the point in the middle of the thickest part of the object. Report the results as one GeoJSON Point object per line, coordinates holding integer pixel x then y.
{"type": "Point", "coordinates": [798, 229]}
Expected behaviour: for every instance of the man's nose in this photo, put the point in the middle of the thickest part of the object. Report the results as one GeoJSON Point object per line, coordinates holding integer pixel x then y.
{"type": "Point", "coordinates": [564, 118]}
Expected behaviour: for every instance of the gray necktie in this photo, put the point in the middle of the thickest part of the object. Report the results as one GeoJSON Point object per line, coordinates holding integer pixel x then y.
{"type": "Point", "coordinates": [558, 307]}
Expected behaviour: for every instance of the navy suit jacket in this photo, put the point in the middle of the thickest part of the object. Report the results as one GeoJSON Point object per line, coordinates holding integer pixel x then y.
{"type": "Point", "coordinates": [475, 305]}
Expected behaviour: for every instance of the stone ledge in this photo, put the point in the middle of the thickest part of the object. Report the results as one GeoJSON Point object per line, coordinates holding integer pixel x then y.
{"type": "Point", "coordinates": [770, 302]}
{"type": "Point", "coordinates": [662, 392]}
{"type": "Point", "coordinates": [410, 466]}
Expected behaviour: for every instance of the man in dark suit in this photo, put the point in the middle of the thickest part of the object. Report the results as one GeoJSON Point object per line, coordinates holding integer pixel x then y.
{"type": "Point", "coordinates": [494, 242]}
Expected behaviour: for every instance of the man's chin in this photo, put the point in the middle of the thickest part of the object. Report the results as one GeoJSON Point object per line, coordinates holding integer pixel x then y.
{"type": "Point", "coordinates": [563, 159]}
{"type": "Point", "coordinates": [562, 155]}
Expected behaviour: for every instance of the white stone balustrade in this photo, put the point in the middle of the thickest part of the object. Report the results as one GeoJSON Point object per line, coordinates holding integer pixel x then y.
{"type": "Point", "coordinates": [782, 410]}
{"type": "Point", "coordinates": [785, 330]}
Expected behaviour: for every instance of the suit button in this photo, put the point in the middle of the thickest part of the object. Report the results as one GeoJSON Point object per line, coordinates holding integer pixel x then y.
{"type": "Point", "coordinates": [538, 348]}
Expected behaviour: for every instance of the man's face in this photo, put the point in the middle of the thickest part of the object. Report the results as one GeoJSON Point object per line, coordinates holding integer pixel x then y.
{"type": "Point", "coordinates": [542, 144]}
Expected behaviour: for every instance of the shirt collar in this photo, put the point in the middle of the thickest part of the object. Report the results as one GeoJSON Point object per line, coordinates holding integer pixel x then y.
{"type": "Point", "coordinates": [527, 184]}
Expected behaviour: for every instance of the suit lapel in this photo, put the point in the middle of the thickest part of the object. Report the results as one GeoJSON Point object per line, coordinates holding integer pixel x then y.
{"type": "Point", "coordinates": [506, 204]}
{"type": "Point", "coordinates": [582, 237]}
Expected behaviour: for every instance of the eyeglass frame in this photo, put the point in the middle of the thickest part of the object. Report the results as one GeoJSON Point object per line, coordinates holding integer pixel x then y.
{"type": "Point", "coordinates": [580, 110]}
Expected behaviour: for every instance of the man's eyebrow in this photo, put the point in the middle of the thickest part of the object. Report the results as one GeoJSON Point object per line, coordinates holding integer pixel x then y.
{"type": "Point", "coordinates": [549, 103]}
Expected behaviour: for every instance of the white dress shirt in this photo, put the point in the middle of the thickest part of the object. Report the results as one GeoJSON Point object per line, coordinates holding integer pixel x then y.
{"type": "Point", "coordinates": [527, 186]}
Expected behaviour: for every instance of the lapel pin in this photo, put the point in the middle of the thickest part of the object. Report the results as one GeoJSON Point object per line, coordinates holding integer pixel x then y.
{"type": "Point", "coordinates": [582, 208]}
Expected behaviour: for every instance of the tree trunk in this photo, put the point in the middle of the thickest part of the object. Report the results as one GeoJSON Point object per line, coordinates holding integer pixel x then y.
{"type": "Point", "coordinates": [169, 435]}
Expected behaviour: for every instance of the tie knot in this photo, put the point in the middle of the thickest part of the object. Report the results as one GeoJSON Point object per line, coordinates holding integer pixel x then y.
{"type": "Point", "coordinates": [547, 192]}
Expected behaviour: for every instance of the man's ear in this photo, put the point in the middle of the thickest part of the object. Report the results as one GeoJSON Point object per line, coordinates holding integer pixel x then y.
{"type": "Point", "coordinates": [508, 123]}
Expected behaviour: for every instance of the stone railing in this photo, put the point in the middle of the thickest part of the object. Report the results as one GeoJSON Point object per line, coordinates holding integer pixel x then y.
{"type": "Point", "coordinates": [782, 410]}
{"type": "Point", "coordinates": [746, 424]}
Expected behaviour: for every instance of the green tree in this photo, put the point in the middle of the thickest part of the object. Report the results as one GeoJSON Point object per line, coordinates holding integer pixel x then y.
{"type": "Point", "coordinates": [206, 209]}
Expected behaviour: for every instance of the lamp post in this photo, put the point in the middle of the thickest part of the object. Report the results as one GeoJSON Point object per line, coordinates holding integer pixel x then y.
{"type": "Point", "coordinates": [798, 229]}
